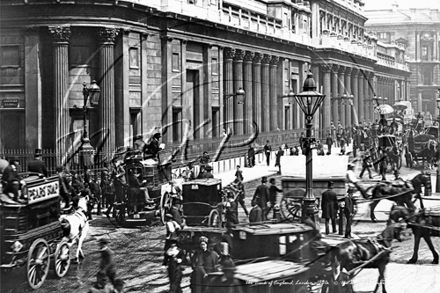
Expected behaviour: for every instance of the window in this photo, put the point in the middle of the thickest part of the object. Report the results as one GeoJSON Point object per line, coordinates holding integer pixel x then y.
{"type": "Point", "coordinates": [427, 76]}
{"type": "Point", "coordinates": [214, 66]}
{"type": "Point", "coordinates": [177, 123]}
{"type": "Point", "coordinates": [175, 62]}
{"type": "Point", "coordinates": [10, 56]}
{"type": "Point", "coordinates": [79, 54]}
{"type": "Point", "coordinates": [215, 121]}
{"type": "Point", "coordinates": [134, 57]}
{"type": "Point", "coordinates": [424, 52]}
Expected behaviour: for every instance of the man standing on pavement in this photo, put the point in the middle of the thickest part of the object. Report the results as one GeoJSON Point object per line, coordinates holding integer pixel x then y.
{"type": "Point", "coordinates": [349, 211]}
{"type": "Point", "coordinates": [329, 143]}
{"type": "Point", "coordinates": [261, 195]}
{"type": "Point", "coordinates": [273, 191]}
{"type": "Point", "coordinates": [251, 156]}
{"type": "Point", "coordinates": [239, 173]}
{"type": "Point", "coordinates": [267, 150]}
{"type": "Point", "coordinates": [329, 206]}
{"type": "Point", "coordinates": [37, 165]}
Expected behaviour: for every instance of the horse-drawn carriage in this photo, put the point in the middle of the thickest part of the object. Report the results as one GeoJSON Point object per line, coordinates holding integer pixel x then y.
{"type": "Point", "coordinates": [421, 146]}
{"type": "Point", "coordinates": [31, 233]}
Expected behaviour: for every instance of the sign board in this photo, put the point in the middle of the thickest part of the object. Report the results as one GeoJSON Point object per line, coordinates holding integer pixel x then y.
{"type": "Point", "coordinates": [10, 103]}
{"type": "Point", "coordinates": [43, 192]}
{"type": "Point", "coordinates": [323, 166]}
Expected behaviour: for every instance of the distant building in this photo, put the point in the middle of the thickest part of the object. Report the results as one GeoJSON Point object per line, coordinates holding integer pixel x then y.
{"type": "Point", "coordinates": [172, 65]}
{"type": "Point", "coordinates": [418, 30]}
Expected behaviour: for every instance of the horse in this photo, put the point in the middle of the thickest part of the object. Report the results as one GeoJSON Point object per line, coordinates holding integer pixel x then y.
{"type": "Point", "coordinates": [75, 227]}
{"type": "Point", "coordinates": [368, 253]}
{"type": "Point", "coordinates": [420, 220]}
{"type": "Point", "coordinates": [429, 152]}
{"type": "Point", "coordinates": [386, 190]}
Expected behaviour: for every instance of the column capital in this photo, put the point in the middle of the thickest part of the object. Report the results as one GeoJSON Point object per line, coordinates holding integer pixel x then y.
{"type": "Point", "coordinates": [274, 60]}
{"type": "Point", "coordinates": [249, 56]}
{"type": "Point", "coordinates": [342, 69]}
{"type": "Point", "coordinates": [335, 68]}
{"type": "Point", "coordinates": [355, 72]}
{"type": "Point", "coordinates": [229, 53]}
{"type": "Point", "coordinates": [257, 57]}
{"type": "Point", "coordinates": [107, 35]}
{"type": "Point", "coordinates": [348, 70]}
{"type": "Point", "coordinates": [266, 59]}
{"type": "Point", "coordinates": [325, 67]}
{"type": "Point", "coordinates": [239, 55]}
{"type": "Point", "coordinates": [60, 34]}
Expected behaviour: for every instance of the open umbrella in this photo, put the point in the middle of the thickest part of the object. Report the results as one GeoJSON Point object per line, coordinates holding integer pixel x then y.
{"type": "Point", "coordinates": [400, 106]}
{"type": "Point", "coordinates": [384, 109]}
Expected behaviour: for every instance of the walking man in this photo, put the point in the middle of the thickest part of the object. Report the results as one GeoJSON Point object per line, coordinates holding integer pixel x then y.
{"type": "Point", "coordinates": [107, 264]}
{"type": "Point", "coordinates": [273, 190]}
{"type": "Point", "coordinates": [267, 150]}
{"type": "Point", "coordinates": [329, 143]}
{"type": "Point", "coordinates": [261, 195]}
{"type": "Point", "coordinates": [366, 165]}
{"type": "Point", "coordinates": [251, 156]}
{"type": "Point", "coordinates": [329, 206]}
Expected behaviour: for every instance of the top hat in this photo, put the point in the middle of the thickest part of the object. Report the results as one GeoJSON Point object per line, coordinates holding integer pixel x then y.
{"type": "Point", "coordinates": [264, 179]}
{"type": "Point", "coordinates": [208, 168]}
{"type": "Point", "coordinates": [38, 152]}
{"type": "Point", "coordinates": [330, 183]}
{"type": "Point", "coordinates": [157, 135]}
{"type": "Point", "coordinates": [228, 265]}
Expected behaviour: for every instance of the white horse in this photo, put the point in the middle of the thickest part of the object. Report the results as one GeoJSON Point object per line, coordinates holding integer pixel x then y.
{"type": "Point", "coordinates": [75, 226]}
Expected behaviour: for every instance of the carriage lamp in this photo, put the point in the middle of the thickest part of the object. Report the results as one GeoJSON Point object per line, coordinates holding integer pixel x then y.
{"type": "Point", "coordinates": [290, 95]}
{"type": "Point", "coordinates": [91, 94]}
{"type": "Point", "coordinates": [309, 101]}
{"type": "Point", "coordinates": [240, 94]}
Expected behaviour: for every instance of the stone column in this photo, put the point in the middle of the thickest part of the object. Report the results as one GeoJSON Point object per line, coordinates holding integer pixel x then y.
{"type": "Point", "coordinates": [348, 104]}
{"type": "Point", "coordinates": [369, 91]}
{"type": "Point", "coordinates": [317, 117]}
{"type": "Point", "coordinates": [248, 102]}
{"type": "Point", "coordinates": [341, 81]}
{"type": "Point", "coordinates": [61, 36]}
{"type": "Point", "coordinates": [335, 94]}
{"type": "Point", "coordinates": [238, 83]}
{"type": "Point", "coordinates": [273, 93]}
{"type": "Point", "coordinates": [362, 103]}
{"type": "Point", "coordinates": [107, 38]}
{"type": "Point", "coordinates": [357, 119]}
{"type": "Point", "coordinates": [265, 92]}
{"type": "Point", "coordinates": [326, 80]}
{"type": "Point", "coordinates": [256, 90]}
{"type": "Point", "coordinates": [229, 89]}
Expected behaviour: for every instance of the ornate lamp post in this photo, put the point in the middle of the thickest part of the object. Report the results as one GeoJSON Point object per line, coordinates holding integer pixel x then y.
{"type": "Point", "coordinates": [309, 101]}
{"type": "Point", "coordinates": [437, 183]}
{"type": "Point", "coordinates": [240, 94]}
{"type": "Point", "coordinates": [87, 151]}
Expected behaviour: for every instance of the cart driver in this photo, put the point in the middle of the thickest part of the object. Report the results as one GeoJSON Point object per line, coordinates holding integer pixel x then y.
{"type": "Point", "coordinates": [353, 181]}
{"type": "Point", "coordinates": [11, 179]}
{"type": "Point", "coordinates": [135, 186]}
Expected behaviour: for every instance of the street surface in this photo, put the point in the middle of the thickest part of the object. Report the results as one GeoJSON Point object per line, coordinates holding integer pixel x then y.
{"type": "Point", "coordinates": [139, 253]}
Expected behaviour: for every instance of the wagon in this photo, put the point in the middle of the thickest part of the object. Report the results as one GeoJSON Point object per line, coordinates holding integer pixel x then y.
{"type": "Point", "coordinates": [394, 149]}
{"type": "Point", "coordinates": [416, 148]}
{"type": "Point", "coordinates": [154, 177]}
{"type": "Point", "coordinates": [30, 232]}
{"type": "Point", "coordinates": [203, 202]}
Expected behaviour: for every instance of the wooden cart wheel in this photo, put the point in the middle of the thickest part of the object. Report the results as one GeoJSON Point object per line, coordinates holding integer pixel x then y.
{"type": "Point", "coordinates": [120, 213]}
{"type": "Point", "coordinates": [290, 206]}
{"type": "Point", "coordinates": [38, 262]}
{"type": "Point", "coordinates": [165, 205]}
{"type": "Point", "coordinates": [214, 219]}
{"type": "Point", "coordinates": [62, 259]}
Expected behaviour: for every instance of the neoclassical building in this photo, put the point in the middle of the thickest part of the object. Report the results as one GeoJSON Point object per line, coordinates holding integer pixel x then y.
{"type": "Point", "coordinates": [174, 66]}
{"type": "Point", "coordinates": [418, 30]}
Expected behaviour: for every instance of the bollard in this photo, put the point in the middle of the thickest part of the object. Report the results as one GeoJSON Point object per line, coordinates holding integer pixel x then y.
{"type": "Point", "coordinates": [437, 180]}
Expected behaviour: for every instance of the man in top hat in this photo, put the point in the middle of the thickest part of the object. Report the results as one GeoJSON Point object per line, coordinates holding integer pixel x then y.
{"type": "Point", "coordinates": [329, 206]}
{"type": "Point", "coordinates": [206, 261]}
{"type": "Point", "coordinates": [225, 282]}
{"type": "Point", "coordinates": [10, 178]}
{"type": "Point", "coordinates": [37, 165]}
{"type": "Point", "coordinates": [261, 195]}
{"type": "Point", "coordinates": [207, 174]}
{"type": "Point", "coordinates": [176, 257]}
{"type": "Point", "coordinates": [107, 264]}
{"type": "Point", "coordinates": [172, 227]}
{"type": "Point", "coordinates": [153, 146]}
{"type": "Point", "coordinates": [349, 210]}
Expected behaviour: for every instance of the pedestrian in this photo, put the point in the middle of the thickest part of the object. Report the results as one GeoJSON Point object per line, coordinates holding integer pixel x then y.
{"type": "Point", "coordinates": [342, 145]}
{"type": "Point", "coordinates": [107, 264]}
{"type": "Point", "coordinates": [329, 207]}
{"type": "Point", "coordinates": [295, 151]}
{"type": "Point", "coordinates": [338, 139]}
{"type": "Point", "coordinates": [238, 184]}
{"type": "Point", "coordinates": [226, 282]}
{"type": "Point", "coordinates": [11, 179]}
{"type": "Point", "coordinates": [204, 159]}
{"type": "Point", "coordinates": [251, 156]}
{"type": "Point", "coordinates": [119, 183]}
{"type": "Point", "coordinates": [256, 214]}
{"type": "Point", "coordinates": [239, 173]}
{"type": "Point", "coordinates": [383, 163]}
{"type": "Point", "coordinates": [37, 165]}
{"type": "Point", "coordinates": [205, 261]}
{"type": "Point", "coordinates": [171, 233]}
{"type": "Point", "coordinates": [154, 145]}
{"type": "Point", "coordinates": [206, 174]}
{"type": "Point", "coordinates": [231, 206]}
{"type": "Point", "coordinates": [278, 156]}
{"type": "Point", "coordinates": [383, 124]}
{"type": "Point", "coordinates": [349, 210]}
{"type": "Point", "coordinates": [329, 143]}
{"type": "Point", "coordinates": [65, 188]}
{"type": "Point", "coordinates": [366, 165]}
{"type": "Point", "coordinates": [175, 259]}
{"type": "Point", "coordinates": [273, 191]}
{"type": "Point", "coordinates": [261, 195]}
{"type": "Point", "coordinates": [96, 194]}
{"type": "Point", "coordinates": [267, 150]}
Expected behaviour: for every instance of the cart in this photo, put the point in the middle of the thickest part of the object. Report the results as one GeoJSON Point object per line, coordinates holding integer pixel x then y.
{"type": "Point", "coordinates": [393, 148]}
{"type": "Point", "coordinates": [31, 234]}
{"type": "Point", "coordinates": [203, 202]}
{"type": "Point", "coordinates": [415, 149]}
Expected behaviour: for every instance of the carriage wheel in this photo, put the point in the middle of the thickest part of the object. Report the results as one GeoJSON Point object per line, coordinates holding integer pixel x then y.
{"type": "Point", "coordinates": [62, 259]}
{"type": "Point", "coordinates": [165, 205]}
{"type": "Point", "coordinates": [38, 262]}
{"type": "Point", "coordinates": [120, 214]}
{"type": "Point", "coordinates": [214, 219]}
{"type": "Point", "coordinates": [290, 207]}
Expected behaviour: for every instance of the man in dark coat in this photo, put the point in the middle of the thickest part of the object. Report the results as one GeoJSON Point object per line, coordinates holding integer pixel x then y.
{"type": "Point", "coordinates": [261, 195]}
{"type": "Point", "coordinates": [207, 174]}
{"type": "Point", "coordinates": [251, 156]}
{"type": "Point", "coordinates": [176, 256]}
{"type": "Point", "coordinates": [37, 165]}
{"type": "Point", "coordinates": [205, 261]}
{"type": "Point", "coordinates": [107, 263]}
{"type": "Point", "coordinates": [226, 282]}
{"type": "Point", "coordinates": [65, 188]}
{"type": "Point", "coordinates": [153, 146]}
{"type": "Point", "coordinates": [10, 178]}
{"type": "Point", "coordinates": [267, 150]}
{"type": "Point", "coordinates": [349, 210]}
{"type": "Point", "coordinates": [256, 214]}
{"type": "Point", "coordinates": [366, 164]}
{"type": "Point", "coordinates": [329, 206]}
{"type": "Point", "coordinates": [329, 143]}
{"type": "Point", "coordinates": [273, 190]}
{"type": "Point", "coordinates": [278, 156]}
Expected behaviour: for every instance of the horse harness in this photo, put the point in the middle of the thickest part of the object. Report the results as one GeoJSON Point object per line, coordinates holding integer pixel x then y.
{"type": "Point", "coordinates": [365, 253]}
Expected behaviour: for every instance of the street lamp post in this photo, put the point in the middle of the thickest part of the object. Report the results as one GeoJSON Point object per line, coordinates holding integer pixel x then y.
{"type": "Point", "coordinates": [87, 151]}
{"type": "Point", "coordinates": [309, 101]}
{"type": "Point", "coordinates": [437, 183]}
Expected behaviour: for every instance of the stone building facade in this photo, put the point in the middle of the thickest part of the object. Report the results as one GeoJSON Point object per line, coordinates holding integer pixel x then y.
{"type": "Point", "coordinates": [418, 30]}
{"type": "Point", "coordinates": [170, 66]}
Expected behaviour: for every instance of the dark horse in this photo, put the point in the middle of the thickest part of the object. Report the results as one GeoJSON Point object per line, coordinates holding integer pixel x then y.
{"type": "Point", "coordinates": [420, 219]}
{"type": "Point", "coordinates": [386, 190]}
{"type": "Point", "coordinates": [355, 253]}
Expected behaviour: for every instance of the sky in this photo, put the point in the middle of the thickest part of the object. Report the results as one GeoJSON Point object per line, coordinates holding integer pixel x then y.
{"type": "Point", "coordinates": [403, 4]}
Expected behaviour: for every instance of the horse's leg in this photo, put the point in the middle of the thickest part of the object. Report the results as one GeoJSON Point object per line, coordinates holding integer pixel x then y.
{"type": "Point", "coordinates": [372, 207]}
{"type": "Point", "coordinates": [81, 240]}
{"type": "Point", "coordinates": [381, 279]}
{"type": "Point", "coordinates": [427, 236]}
{"type": "Point", "coordinates": [417, 235]}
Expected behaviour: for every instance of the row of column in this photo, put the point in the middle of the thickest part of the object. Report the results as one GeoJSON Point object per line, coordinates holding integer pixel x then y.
{"type": "Point", "coordinates": [106, 39]}
{"type": "Point", "coordinates": [387, 88]}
